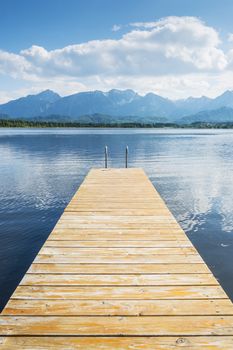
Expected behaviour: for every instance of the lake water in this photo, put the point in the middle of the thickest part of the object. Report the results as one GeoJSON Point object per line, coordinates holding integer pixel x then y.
{"type": "Point", "coordinates": [41, 169]}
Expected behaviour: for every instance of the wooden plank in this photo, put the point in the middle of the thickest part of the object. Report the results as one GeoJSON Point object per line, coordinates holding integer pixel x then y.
{"type": "Point", "coordinates": [119, 292]}
{"type": "Point", "coordinates": [113, 225]}
{"type": "Point", "coordinates": [158, 219]}
{"type": "Point", "coordinates": [81, 235]}
{"type": "Point", "coordinates": [118, 280]}
{"type": "Point", "coordinates": [114, 237]}
{"type": "Point", "coordinates": [97, 326]}
{"type": "Point", "coordinates": [90, 205]}
{"type": "Point", "coordinates": [119, 307]}
{"type": "Point", "coordinates": [177, 231]}
{"type": "Point", "coordinates": [120, 244]}
{"type": "Point", "coordinates": [117, 268]}
{"type": "Point", "coordinates": [115, 212]}
{"type": "Point", "coordinates": [117, 252]}
{"type": "Point", "coordinates": [118, 343]}
{"type": "Point", "coordinates": [134, 259]}
{"type": "Point", "coordinates": [124, 231]}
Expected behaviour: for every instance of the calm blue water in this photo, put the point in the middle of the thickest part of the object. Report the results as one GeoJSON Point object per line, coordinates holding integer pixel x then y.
{"type": "Point", "coordinates": [41, 169]}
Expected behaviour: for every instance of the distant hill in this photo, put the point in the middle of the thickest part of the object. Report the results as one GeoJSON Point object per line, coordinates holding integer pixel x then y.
{"type": "Point", "coordinates": [116, 103]}
{"type": "Point", "coordinates": [119, 106]}
{"type": "Point", "coordinates": [99, 118]}
{"type": "Point", "coordinates": [224, 114]}
{"type": "Point", "coordinates": [31, 105]}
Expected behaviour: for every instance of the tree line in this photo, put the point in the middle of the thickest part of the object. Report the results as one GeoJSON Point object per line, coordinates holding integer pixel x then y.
{"type": "Point", "coordinates": [20, 123]}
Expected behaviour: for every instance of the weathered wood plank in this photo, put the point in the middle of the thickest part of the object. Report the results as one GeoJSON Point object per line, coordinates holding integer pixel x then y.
{"type": "Point", "coordinates": [97, 326]}
{"type": "Point", "coordinates": [117, 252]}
{"type": "Point", "coordinates": [118, 280]}
{"type": "Point", "coordinates": [117, 243]}
{"type": "Point", "coordinates": [119, 307]}
{"type": "Point", "coordinates": [115, 212]}
{"type": "Point", "coordinates": [74, 217]}
{"type": "Point", "coordinates": [117, 268]}
{"type": "Point", "coordinates": [117, 343]}
{"type": "Point", "coordinates": [119, 292]}
{"type": "Point", "coordinates": [99, 235]}
{"type": "Point", "coordinates": [69, 224]}
{"type": "Point", "coordinates": [124, 231]}
{"type": "Point", "coordinates": [90, 205]}
{"type": "Point", "coordinates": [133, 259]}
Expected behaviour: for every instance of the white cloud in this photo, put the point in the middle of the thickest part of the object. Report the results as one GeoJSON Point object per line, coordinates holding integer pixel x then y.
{"type": "Point", "coordinates": [144, 24]}
{"type": "Point", "coordinates": [174, 56]}
{"type": "Point", "coordinates": [14, 65]}
{"type": "Point", "coordinates": [230, 37]}
{"type": "Point", "coordinates": [116, 27]}
{"type": "Point", "coordinates": [174, 45]}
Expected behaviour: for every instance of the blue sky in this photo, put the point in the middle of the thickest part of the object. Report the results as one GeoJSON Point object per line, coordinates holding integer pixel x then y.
{"type": "Point", "coordinates": [175, 48]}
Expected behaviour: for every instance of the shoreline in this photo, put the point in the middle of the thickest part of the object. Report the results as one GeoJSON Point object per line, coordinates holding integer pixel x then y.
{"type": "Point", "coordinates": [20, 123]}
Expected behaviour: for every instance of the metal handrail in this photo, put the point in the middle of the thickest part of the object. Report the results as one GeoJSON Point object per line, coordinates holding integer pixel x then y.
{"type": "Point", "coordinates": [106, 156]}
{"type": "Point", "coordinates": [126, 156]}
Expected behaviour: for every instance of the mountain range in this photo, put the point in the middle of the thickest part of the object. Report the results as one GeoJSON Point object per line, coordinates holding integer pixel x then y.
{"type": "Point", "coordinates": [121, 106]}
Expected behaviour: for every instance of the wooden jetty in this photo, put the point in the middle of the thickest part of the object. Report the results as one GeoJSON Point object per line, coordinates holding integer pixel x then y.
{"type": "Point", "coordinates": [117, 272]}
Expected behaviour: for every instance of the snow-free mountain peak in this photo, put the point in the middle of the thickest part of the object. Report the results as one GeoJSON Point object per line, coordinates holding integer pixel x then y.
{"type": "Point", "coordinates": [48, 95]}
{"type": "Point", "coordinates": [116, 103]}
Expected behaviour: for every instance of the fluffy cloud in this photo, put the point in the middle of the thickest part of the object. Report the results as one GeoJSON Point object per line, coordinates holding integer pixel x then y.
{"type": "Point", "coordinates": [14, 65]}
{"type": "Point", "coordinates": [173, 45]}
{"type": "Point", "coordinates": [173, 49]}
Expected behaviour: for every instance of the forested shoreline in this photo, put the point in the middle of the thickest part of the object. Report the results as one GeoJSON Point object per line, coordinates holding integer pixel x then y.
{"type": "Point", "coordinates": [20, 123]}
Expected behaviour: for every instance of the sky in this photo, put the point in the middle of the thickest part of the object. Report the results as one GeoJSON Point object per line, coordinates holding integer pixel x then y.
{"type": "Point", "coordinates": [174, 48]}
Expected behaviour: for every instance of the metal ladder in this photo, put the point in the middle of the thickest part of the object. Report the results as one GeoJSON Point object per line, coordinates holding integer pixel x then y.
{"type": "Point", "coordinates": [106, 156]}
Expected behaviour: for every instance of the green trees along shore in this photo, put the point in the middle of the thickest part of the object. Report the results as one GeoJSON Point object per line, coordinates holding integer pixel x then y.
{"type": "Point", "coordinates": [20, 123]}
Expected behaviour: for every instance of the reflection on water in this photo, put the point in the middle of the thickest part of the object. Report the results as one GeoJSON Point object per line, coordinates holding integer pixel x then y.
{"type": "Point", "coordinates": [41, 169]}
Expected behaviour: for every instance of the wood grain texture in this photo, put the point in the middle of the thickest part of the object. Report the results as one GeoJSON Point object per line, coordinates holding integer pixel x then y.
{"type": "Point", "coordinates": [119, 259]}
{"type": "Point", "coordinates": [118, 252]}
{"type": "Point", "coordinates": [117, 272]}
{"type": "Point", "coordinates": [106, 307]}
{"type": "Point", "coordinates": [118, 343]}
{"type": "Point", "coordinates": [119, 292]}
{"type": "Point", "coordinates": [102, 269]}
{"type": "Point", "coordinates": [118, 280]}
{"type": "Point", "coordinates": [117, 244]}
{"type": "Point", "coordinates": [127, 326]}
